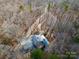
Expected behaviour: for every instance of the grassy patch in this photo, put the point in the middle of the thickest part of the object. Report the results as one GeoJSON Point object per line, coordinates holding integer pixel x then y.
{"type": "Point", "coordinates": [39, 54]}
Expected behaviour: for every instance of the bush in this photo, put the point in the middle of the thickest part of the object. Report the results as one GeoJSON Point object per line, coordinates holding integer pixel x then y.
{"type": "Point", "coordinates": [37, 54]}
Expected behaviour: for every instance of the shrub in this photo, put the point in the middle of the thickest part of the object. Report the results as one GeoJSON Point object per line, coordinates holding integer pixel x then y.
{"type": "Point", "coordinates": [37, 54]}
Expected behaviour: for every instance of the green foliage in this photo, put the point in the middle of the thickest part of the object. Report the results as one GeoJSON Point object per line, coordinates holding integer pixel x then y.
{"type": "Point", "coordinates": [37, 54]}
{"type": "Point", "coordinates": [65, 5]}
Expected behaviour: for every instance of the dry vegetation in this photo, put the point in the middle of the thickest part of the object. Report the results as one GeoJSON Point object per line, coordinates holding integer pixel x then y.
{"type": "Point", "coordinates": [59, 22]}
